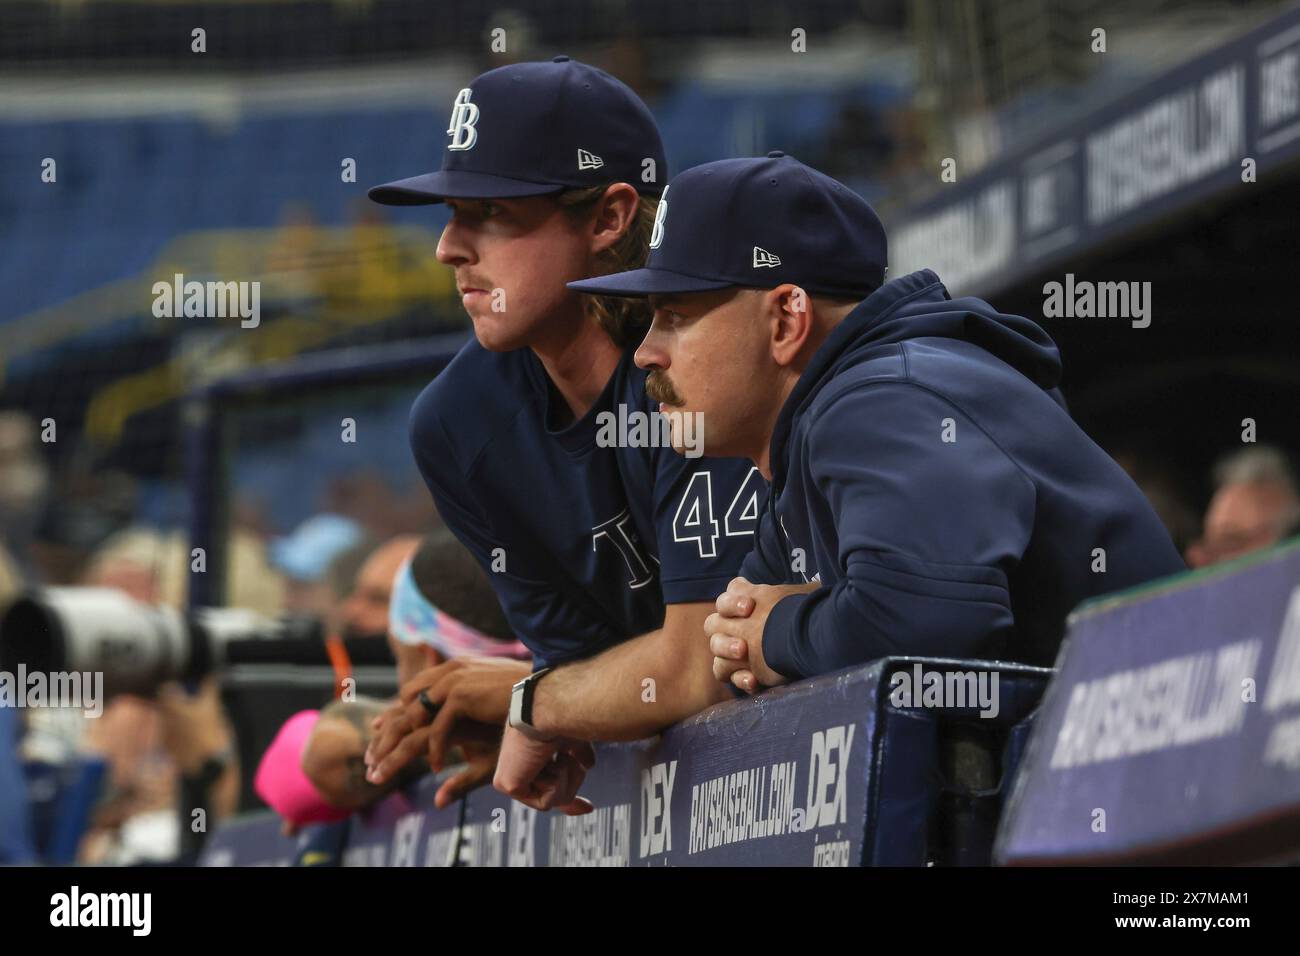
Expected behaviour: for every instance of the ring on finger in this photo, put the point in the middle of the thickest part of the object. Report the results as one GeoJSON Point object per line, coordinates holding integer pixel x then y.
{"type": "Point", "coordinates": [430, 707]}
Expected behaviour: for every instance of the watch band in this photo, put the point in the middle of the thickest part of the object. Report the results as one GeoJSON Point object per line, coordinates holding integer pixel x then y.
{"type": "Point", "coordinates": [521, 705]}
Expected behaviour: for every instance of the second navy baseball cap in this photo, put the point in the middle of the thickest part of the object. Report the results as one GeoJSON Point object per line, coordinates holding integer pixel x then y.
{"type": "Point", "coordinates": [529, 129]}
{"type": "Point", "coordinates": [757, 223]}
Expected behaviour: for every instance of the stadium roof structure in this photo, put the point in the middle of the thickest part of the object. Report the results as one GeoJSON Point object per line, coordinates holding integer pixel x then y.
{"type": "Point", "coordinates": [1186, 185]}
{"type": "Point", "coordinates": [1155, 154]}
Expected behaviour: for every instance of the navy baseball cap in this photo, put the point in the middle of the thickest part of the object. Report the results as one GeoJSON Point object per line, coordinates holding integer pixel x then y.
{"type": "Point", "coordinates": [756, 223]}
{"type": "Point", "coordinates": [530, 129]}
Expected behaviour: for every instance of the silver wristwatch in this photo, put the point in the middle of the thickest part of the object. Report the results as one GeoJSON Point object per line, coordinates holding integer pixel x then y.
{"type": "Point", "coordinates": [521, 705]}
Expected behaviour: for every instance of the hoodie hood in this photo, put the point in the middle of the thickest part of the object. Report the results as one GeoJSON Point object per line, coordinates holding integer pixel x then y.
{"type": "Point", "coordinates": [917, 306]}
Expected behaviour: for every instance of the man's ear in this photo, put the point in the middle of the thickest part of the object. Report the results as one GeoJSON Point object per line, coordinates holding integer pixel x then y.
{"type": "Point", "coordinates": [789, 311]}
{"type": "Point", "coordinates": [616, 213]}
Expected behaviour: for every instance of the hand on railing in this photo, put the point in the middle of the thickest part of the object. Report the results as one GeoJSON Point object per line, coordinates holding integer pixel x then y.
{"type": "Point", "coordinates": [735, 632]}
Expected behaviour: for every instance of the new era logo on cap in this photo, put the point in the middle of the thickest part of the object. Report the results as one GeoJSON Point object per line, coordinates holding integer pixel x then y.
{"type": "Point", "coordinates": [727, 216]}
{"type": "Point", "coordinates": [588, 160]}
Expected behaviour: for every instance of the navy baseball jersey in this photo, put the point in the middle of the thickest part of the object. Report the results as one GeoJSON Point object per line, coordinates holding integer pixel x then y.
{"type": "Point", "coordinates": [584, 542]}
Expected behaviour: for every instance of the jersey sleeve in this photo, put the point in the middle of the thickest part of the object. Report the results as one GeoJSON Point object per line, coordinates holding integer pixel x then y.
{"type": "Point", "coordinates": [554, 629]}
{"type": "Point", "coordinates": [928, 512]}
{"type": "Point", "coordinates": [705, 512]}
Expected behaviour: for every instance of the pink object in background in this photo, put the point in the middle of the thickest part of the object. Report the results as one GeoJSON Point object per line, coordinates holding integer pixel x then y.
{"type": "Point", "coordinates": [280, 779]}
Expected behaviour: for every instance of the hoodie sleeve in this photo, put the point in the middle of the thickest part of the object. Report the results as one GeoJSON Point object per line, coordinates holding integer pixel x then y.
{"type": "Point", "coordinates": [928, 512]}
{"type": "Point", "coordinates": [765, 564]}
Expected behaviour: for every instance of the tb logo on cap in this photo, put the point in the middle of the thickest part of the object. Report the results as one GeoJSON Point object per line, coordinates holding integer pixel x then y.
{"type": "Point", "coordinates": [661, 213]}
{"type": "Point", "coordinates": [464, 115]}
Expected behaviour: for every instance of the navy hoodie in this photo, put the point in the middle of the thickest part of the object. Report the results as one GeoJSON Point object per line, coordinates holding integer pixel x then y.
{"type": "Point", "coordinates": [926, 472]}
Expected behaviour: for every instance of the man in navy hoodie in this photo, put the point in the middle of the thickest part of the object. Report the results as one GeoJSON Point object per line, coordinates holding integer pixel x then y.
{"type": "Point", "coordinates": [930, 493]}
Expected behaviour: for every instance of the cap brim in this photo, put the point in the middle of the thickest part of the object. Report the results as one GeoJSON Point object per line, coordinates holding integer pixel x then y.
{"type": "Point", "coordinates": [455, 184]}
{"type": "Point", "coordinates": [639, 283]}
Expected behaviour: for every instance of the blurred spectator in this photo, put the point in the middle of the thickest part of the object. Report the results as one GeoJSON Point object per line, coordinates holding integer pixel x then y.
{"type": "Point", "coordinates": [252, 582]}
{"type": "Point", "coordinates": [250, 514]}
{"type": "Point", "coordinates": [151, 566]}
{"type": "Point", "coordinates": [320, 752]}
{"type": "Point", "coordinates": [24, 482]}
{"type": "Point", "coordinates": [1256, 503]}
{"type": "Point", "coordinates": [439, 607]}
{"type": "Point", "coordinates": [346, 566]}
{"type": "Point", "coordinates": [332, 761]}
{"type": "Point", "coordinates": [365, 612]}
{"type": "Point", "coordinates": [154, 567]}
{"type": "Point", "coordinates": [444, 607]}
{"type": "Point", "coordinates": [166, 756]}
{"type": "Point", "coordinates": [369, 499]}
{"type": "Point", "coordinates": [304, 557]}
{"type": "Point", "coordinates": [199, 739]}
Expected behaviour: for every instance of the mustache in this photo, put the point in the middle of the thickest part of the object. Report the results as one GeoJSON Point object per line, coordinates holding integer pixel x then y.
{"type": "Point", "coordinates": [471, 282]}
{"type": "Point", "coordinates": [659, 387]}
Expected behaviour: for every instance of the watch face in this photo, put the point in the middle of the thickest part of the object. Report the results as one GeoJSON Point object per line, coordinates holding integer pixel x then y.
{"type": "Point", "coordinates": [516, 703]}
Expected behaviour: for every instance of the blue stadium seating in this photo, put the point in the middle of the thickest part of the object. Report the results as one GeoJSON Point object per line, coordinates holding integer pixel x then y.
{"type": "Point", "coordinates": [127, 187]}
